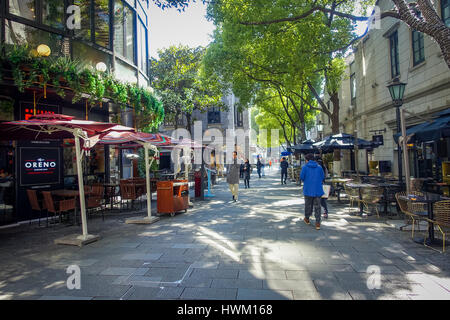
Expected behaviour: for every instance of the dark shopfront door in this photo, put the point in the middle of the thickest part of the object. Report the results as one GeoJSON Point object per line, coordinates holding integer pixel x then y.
{"type": "Point", "coordinates": [7, 184]}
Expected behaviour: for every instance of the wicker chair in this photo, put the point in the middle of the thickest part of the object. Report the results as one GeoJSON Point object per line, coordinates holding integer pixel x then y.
{"type": "Point", "coordinates": [414, 211]}
{"type": "Point", "coordinates": [352, 193]}
{"type": "Point", "coordinates": [372, 196]}
{"type": "Point", "coordinates": [34, 202]}
{"type": "Point", "coordinates": [442, 218]}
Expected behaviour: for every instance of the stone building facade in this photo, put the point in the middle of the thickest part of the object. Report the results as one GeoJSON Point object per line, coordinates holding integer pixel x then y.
{"type": "Point", "coordinates": [366, 108]}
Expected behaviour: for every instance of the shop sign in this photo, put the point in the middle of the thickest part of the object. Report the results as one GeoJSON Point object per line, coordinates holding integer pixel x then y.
{"type": "Point", "coordinates": [378, 140]}
{"type": "Point", "coordinates": [27, 109]}
{"type": "Point", "coordinates": [39, 166]}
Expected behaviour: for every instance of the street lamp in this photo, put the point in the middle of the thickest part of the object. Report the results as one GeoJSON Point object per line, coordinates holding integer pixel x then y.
{"type": "Point", "coordinates": [320, 129]}
{"type": "Point", "coordinates": [397, 90]}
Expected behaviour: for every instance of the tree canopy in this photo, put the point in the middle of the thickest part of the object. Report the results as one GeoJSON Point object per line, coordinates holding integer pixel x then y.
{"type": "Point", "coordinates": [180, 80]}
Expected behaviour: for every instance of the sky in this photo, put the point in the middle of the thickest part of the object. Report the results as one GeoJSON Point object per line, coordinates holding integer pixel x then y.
{"type": "Point", "coordinates": [170, 27]}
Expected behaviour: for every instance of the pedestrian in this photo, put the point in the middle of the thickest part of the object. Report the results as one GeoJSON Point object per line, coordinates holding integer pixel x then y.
{"type": "Point", "coordinates": [233, 176]}
{"type": "Point", "coordinates": [258, 167]}
{"type": "Point", "coordinates": [270, 165]}
{"type": "Point", "coordinates": [262, 167]}
{"type": "Point", "coordinates": [323, 201]}
{"type": "Point", "coordinates": [312, 176]}
{"type": "Point", "coordinates": [284, 165]}
{"type": "Point", "coordinates": [247, 172]}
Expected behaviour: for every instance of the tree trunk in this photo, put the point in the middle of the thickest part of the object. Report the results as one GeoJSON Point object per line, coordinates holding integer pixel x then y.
{"type": "Point", "coordinates": [334, 97]}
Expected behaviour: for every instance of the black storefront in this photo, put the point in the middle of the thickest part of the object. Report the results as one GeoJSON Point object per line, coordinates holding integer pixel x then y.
{"type": "Point", "coordinates": [44, 165]}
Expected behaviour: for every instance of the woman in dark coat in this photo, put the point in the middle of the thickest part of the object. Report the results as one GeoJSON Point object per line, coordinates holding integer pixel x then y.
{"type": "Point", "coordinates": [247, 171]}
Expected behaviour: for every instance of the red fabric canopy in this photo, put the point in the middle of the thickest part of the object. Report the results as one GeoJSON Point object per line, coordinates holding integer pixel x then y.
{"type": "Point", "coordinates": [126, 138]}
{"type": "Point", "coordinates": [50, 127]}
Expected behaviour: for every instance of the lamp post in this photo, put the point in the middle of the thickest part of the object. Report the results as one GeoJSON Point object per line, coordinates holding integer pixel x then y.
{"type": "Point", "coordinates": [397, 90]}
{"type": "Point", "coordinates": [320, 129]}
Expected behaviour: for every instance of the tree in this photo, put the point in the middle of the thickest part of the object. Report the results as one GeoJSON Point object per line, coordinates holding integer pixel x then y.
{"type": "Point", "coordinates": [420, 15]}
{"type": "Point", "coordinates": [181, 82]}
{"type": "Point", "coordinates": [295, 59]}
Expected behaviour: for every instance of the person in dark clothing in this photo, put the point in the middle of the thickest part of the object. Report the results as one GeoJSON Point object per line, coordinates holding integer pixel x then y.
{"type": "Point", "coordinates": [284, 165]}
{"type": "Point", "coordinates": [241, 171]}
{"type": "Point", "coordinates": [258, 167]}
{"type": "Point", "coordinates": [247, 172]}
{"type": "Point", "coordinates": [323, 201]}
{"type": "Point", "coordinates": [312, 176]}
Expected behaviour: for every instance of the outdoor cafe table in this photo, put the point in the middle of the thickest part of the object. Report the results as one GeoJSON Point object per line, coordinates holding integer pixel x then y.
{"type": "Point", "coordinates": [338, 181]}
{"type": "Point", "coordinates": [360, 186]}
{"type": "Point", "coordinates": [429, 199]}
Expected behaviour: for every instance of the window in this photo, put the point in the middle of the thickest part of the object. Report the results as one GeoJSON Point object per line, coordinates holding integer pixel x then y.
{"type": "Point", "coordinates": [89, 55]}
{"type": "Point", "coordinates": [353, 86]}
{"type": "Point", "coordinates": [418, 47]}
{"type": "Point", "coordinates": [395, 68]}
{"type": "Point", "coordinates": [85, 31]}
{"type": "Point", "coordinates": [214, 115]}
{"type": "Point", "coordinates": [101, 17]}
{"type": "Point", "coordinates": [23, 8]}
{"type": "Point", "coordinates": [142, 47]}
{"type": "Point", "coordinates": [53, 13]}
{"type": "Point", "coordinates": [18, 33]}
{"type": "Point", "coordinates": [124, 30]}
{"type": "Point", "coordinates": [445, 11]}
{"type": "Point", "coordinates": [239, 118]}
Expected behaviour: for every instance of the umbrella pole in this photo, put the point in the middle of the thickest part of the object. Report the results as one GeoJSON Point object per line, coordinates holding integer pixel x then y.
{"type": "Point", "coordinates": [147, 177]}
{"type": "Point", "coordinates": [79, 157]}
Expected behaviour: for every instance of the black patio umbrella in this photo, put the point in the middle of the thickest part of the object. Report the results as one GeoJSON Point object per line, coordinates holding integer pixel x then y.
{"type": "Point", "coordinates": [342, 141]}
{"type": "Point", "coordinates": [305, 147]}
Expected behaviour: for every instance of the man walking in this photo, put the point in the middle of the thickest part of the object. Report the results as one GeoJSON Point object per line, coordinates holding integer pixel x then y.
{"type": "Point", "coordinates": [284, 165]}
{"type": "Point", "coordinates": [247, 172]}
{"type": "Point", "coordinates": [258, 167]}
{"type": "Point", "coordinates": [312, 176]}
{"type": "Point", "coordinates": [233, 176]}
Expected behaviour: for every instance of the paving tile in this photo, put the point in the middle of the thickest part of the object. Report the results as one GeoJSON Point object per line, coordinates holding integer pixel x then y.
{"type": "Point", "coordinates": [215, 273]}
{"type": "Point", "coordinates": [115, 271]}
{"type": "Point", "coordinates": [254, 294]}
{"type": "Point", "coordinates": [237, 283]}
{"type": "Point", "coordinates": [209, 294]}
{"type": "Point", "coordinates": [289, 284]}
{"type": "Point", "coordinates": [261, 274]}
{"type": "Point", "coordinates": [142, 256]}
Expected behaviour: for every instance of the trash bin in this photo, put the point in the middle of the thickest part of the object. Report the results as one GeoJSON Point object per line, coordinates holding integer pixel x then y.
{"type": "Point", "coordinates": [198, 184]}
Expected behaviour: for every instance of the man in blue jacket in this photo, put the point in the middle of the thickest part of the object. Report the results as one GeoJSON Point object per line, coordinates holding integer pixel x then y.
{"type": "Point", "coordinates": [312, 176]}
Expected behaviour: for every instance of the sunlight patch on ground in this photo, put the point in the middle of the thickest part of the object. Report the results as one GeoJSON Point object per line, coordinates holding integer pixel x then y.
{"type": "Point", "coordinates": [56, 284]}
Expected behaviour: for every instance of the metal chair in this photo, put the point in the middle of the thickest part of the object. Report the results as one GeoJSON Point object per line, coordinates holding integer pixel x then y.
{"type": "Point", "coordinates": [414, 211]}
{"type": "Point", "coordinates": [441, 219]}
{"type": "Point", "coordinates": [372, 196]}
{"type": "Point", "coordinates": [352, 193]}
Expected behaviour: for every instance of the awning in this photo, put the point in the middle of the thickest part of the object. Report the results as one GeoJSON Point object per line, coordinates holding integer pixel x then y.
{"type": "Point", "coordinates": [430, 130]}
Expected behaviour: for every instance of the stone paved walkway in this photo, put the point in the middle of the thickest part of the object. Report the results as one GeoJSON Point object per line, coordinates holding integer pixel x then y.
{"type": "Point", "coordinates": [256, 249]}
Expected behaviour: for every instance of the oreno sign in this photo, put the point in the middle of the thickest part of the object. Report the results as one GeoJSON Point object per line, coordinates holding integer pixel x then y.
{"type": "Point", "coordinates": [40, 166]}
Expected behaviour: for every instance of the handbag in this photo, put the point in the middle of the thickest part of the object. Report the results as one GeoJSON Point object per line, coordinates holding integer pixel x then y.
{"type": "Point", "coordinates": [326, 190]}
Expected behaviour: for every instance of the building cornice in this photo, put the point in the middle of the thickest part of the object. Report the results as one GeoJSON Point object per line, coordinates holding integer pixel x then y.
{"type": "Point", "coordinates": [442, 85]}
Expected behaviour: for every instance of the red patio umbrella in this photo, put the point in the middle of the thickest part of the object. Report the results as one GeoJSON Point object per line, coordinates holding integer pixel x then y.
{"type": "Point", "coordinates": [58, 126]}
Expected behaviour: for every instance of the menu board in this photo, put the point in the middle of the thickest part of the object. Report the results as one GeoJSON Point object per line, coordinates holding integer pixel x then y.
{"type": "Point", "coordinates": [40, 166]}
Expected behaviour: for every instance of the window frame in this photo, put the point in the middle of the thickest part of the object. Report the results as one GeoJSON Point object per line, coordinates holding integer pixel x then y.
{"type": "Point", "coordinates": [395, 60]}
{"type": "Point", "coordinates": [421, 39]}
{"type": "Point", "coordinates": [446, 20]}
{"type": "Point", "coordinates": [214, 113]}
